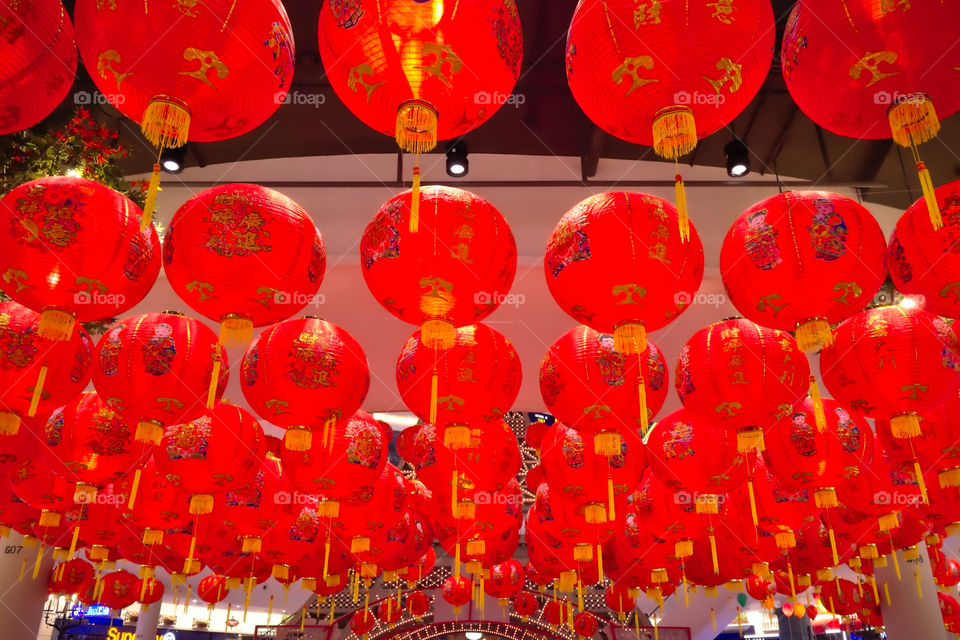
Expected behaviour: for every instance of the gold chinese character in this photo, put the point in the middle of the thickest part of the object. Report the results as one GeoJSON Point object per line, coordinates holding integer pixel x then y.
{"type": "Point", "coordinates": [659, 252]}
{"type": "Point", "coordinates": [355, 79]}
{"type": "Point", "coordinates": [630, 69]}
{"type": "Point", "coordinates": [731, 73]}
{"type": "Point", "coordinates": [208, 60]}
{"type": "Point", "coordinates": [442, 55]}
{"type": "Point", "coordinates": [646, 13]}
{"type": "Point", "coordinates": [722, 10]}
{"type": "Point", "coordinates": [845, 289]}
{"type": "Point", "coordinates": [888, 6]}
{"type": "Point", "coordinates": [628, 293]}
{"type": "Point", "coordinates": [870, 63]}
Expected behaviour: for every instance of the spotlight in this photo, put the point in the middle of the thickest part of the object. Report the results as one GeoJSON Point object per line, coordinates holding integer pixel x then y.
{"type": "Point", "coordinates": [738, 159]}
{"type": "Point", "coordinates": [909, 303]}
{"type": "Point", "coordinates": [473, 635]}
{"type": "Point", "coordinates": [172, 160]}
{"type": "Point", "coordinates": [457, 163]}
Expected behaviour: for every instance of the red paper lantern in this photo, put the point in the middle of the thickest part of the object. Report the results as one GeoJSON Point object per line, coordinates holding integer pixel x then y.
{"type": "Point", "coordinates": [758, 588]}
{"type": "Point", "coordinates": [619, 599]}
{"type": "Point", "coordinates": [525, 604]}
{"type": "Point", "coordinates": [37, 375]}
{"type": "Point", "coordinates": [585, 624]}
{"type": "Point", "coordinates": [488, 463]}
{"type": "Point", "coordinates": [217, 452]}
{"type": "Point", "coordinates": [506, 580]}
{"type": "Point", "coordinates": [421, 72]}
{"type": "Point", "coordinates": [564, 539]}
{"type": "Point", "coordinates": [39, 57]}
{"type": "Point", "coordinates": [881, 63]}
{"type": "Point", "coordinates": [67, 576]}
{"type": "Point", "coordinates": [453, 275]}
{"type": "Point", "coordinates": [89, 444]}
{"type": "Point", "coordinates": [418, 604]}
{"type": "Point", "coordinates": [742, 376]}
{"type": "Point", "coordinates": [893, 363]}
{"type": "Point", "coordinates": [361, 622]}
{"type": "Point", "coordinates": [405, 444]}
{"type": "Point", "coordinates": [245, 256]}
{"type": "Point", "coordinates": [400, 545]}
{"type": "Point", "coordinates": [34, 482]}
{"type": "Point", "coordinates": [304, 373]}
{"type": "Point", "coordinates": [554, 612]}
{"type": "Point", "coordinates": [369, 511]}
{"type": "Point", "coordinates": [119, 590]}
{"type": "Point", "coordinates": [150, 590]}
{"type": "Point", "coordinates": [420, 569]}
{"type": "Point", "coordinates": [337, 470]}
{"type": "Point", "coordinates": [457, 591]}
{"type": "Point", "coordinates": [203, 80]}
{"type": "Point", "coordinates": [591, 386]}
{"type": "Point", "coordinates": [478, 377]}
{"type": "Point", "coordinates": [923, 261]}
{"type": "Point", "coordinates": [263, 503]}
{"type": "Point", "coordinates": [845, 600]}
{"type": "Point", "coordinates": [73, 250]}
{"type": "Point", "coordinates": [616, 263]}
{"type": "Point", "coordinates": [213, 589]}
{"type": "Point", "coordinates": [815, 259]}
{"type": "Point", "coordinates": [390, 610]}
{"type": "Point", "coordinates": [155, 369]}
{"type": "Point", "coordinates": [292, 546]}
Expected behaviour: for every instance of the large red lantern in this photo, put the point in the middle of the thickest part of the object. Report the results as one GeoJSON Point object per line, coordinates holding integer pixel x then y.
{"type": "Point", "coordinates": [618, 598]}
{"type": "Point", "coordinates": [883, 65]}
{"type": "Point", "coordinates": [457, 591]}
{"type": "Point", "coordinates": [478, 377]}
{"type": "Point", "coordinates": [245, 256]}
{"type": "Point", "coordinates": [525, 604]}
{"type": "Point", "coordinates": [741, 376]}
{"type": "Point", "coordinates": [506, 580]}
{"type": "Point", "coordinates": [361, 622]}
{"type": "Point", "coordinates": [158, 369]}
{"type": "Point", "coordinates": [937, 448]}
{"type": "Point", "coordinates": [39, 56]}
{"type": "Point", "coordinates": [555, 612]}
{"type": "Point", "coordinates": [119, 589]}
{"type": "Point", "coordinates": [813, 259]}
{"type": "Point", "coordinates": [212, 589]}
{"type": "Point", "coordinates": [592, 387]}
{"type": "Point", "coordinates": [637, 72]}
{"type": "Point", "coordinates": [150, 590]}
{"type": "Point", "coordinates": [37, 375]}
{"type": "Point", "coordinates": [73, 250]}
{"type": "Point", "coordinates": [217, 452]}
{"type": "Point", "coordinates": [303, 374]}
{"type": "Point", "coordinates": [348, 465]}
{"type": "Point", "coordinates": [585, 624]}
{"type": "Point", "coordinates": [418, 604]}
{"type": "Point", "coordinates": [616, 263]}
{"type": "Point", "coordinates": [422, 71]}
{"type": "Point", "coordinates": [370, 511]}
{"type": "Point", "coordinates": [893, 363]}
{"type": "Point", "coordinates": [67, 577]}
{"type": "Point", "coordinates": [455, 275]}
{"type": "Point", "coordinates": [924, 261]}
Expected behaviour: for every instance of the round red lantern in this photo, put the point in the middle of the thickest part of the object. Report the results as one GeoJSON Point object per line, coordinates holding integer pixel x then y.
{"type": "Point", "coordinates": [420, 569]}
{"type": "Point", "coordinates": [455, 275]}
{"type": "Point", "coordinates": [742, 376]}
{"type": "Point", "coordinates": [67, 576]}
{"type": "Point", "coordinates": [616, 263]}
{"type": "Point", "coordinates": [219, 451]}
{"type": "Point", "coordinates": [893, 363]}
{"type": "Point", "coordinates": [419, 71]}
{"type": "Point", "coordinates": [32, 480]}
{"type": "Point", "coordinates": [155, 369]}
{"type": "Point", "coordinates": [934, 449]}
{"type": "Point", "coordinates": [150, 590]}
{"type": "Point", "coordinates": [212, 589]}
{"type": "Point", "coordinates": [346, 466]}
{"type": "Point", "coordinates": [555, 612]}
{"type": "Point", "coordinates": [525, 604]}
{"type": "Point", "coordinates": [119, 589]}
{"type": "Point", "coordinates": [370, 511]}
{"type": "Point", "coordinates": [813, 258]}
{"type": "Point", "coordinates": [619, 599]}
{"type": "Point", "coordinates": [73, 250]}
{"type": "Point", "coordinates": [304, 373]}
{"type": "Point", "coordinates": [418, 604]}
{"type": "Point", "coordinates": [39, 56]}
{"type": "Point", "coordinates": [362, 622]}
{"type": "Point", "coordinates": [478, 377]}
{"type": "Point", "coordinates": [390, 610]}
{"type": "Point", "coordinates": [842, 596]}
{"type": "Point", "coordinates": [245, 256]}
{"type": "Point", "coordinates": [37, 375]}
{"type": "Point", "coordinates": [506, 580]}
{"type": "Point", "coordinates": [758, 588]}
{"type": "Point", "coordinates": [591, 386]}
{"type": "Point", "coordinates": [489, 462]}
{"type": "Point", "coordinates": [203, 79]}
{"type": "Point", "coordinates": [947, 573]}
{"type": "Point", "coordinates": [882, 64]}
{"type": "Point", "coordinates": [923, 261]}
{"type": "Point", "coordinates": [263, 503]}
{"type": "Point", "coordinates": [585, 624]}
{"type": "Point", "coordinates": [405, 444]}
{"type": "Point", "coordinates": [457, 591]}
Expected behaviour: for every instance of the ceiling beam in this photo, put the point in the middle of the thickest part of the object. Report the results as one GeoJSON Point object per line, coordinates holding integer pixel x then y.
{"type": "Point", "coordinates": [781, 139]}
{"type": "Point", "coordinates": [592, 148]}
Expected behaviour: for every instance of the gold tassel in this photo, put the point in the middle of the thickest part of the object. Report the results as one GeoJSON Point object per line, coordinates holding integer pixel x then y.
{"type": "Point", "coordinates": [235, 330]}
{"type": "Point", "coordinates": [457, 436]}
{"type": "Point", "coordinates": [9, 423]}
{"type": "Point", "coordinates": [600, 562]}
{"type": "Point", "coordinates": [150, 203]}
{"type": "Point", "coordinates": [820, 418]}
{"type": "Point", "coordinates": [56, 325]}
{"type": "Point", "coordinates": [905, 425]}
{"type": "Point", "coordinates": [149, 431]}
{"type": "Point", "coordinates": [949, 478]}
{"type": "Point", "coordinates": [888, 521]}
{"type": "Point", "coordinates": [359, 544]}
{"type": "Point", "coordinates": [134, 488]}
{"type": "Point", "coordinates": [644, 412]}
{"type": "Point", "coordinates": [152, 537]}
{"type": "Point", "coordinates": [921, 483]}
{"type": "Point", "coordinates": [37, 391]}
{"type": "Point", "coordinates": [707, 503]}
{"type": "Point", "coordinates": [825, 498]}
{"type": "Point", "coordinates": [270, 609]}
{"type": "Point", "coordinates": [607, 443]}
{"type": "Point", "coordinates": [328, 509]}
{"type": "Point", "coordinates": [331, 610]}
{"type": "Point", "coordinates": [251, 544]}
{"type": "Point", "coordinates": [579, 593]}
{"type": "Point", "coordinates": [916, 579]}
{"type": "Point", "coordinates": [214, 383]}
{"type": "Point", "coordinates": [36, 563]}
{"type": "Point", "coordinates": [456, 561]}
{"type": "Point", "coordinates": [438, 334]}
{"type": "Point", "coordinates": [674, 132]}
{"type": "Point", "coordinates": [713, 554]}
{"type": "Point", "coordinates": [298, 438]}
{"type": "Point", "coordinates": [886, 592]}
{"type": "Point", "coordinates": [873, 587]}
{"type": "Point", "coordinates": [753, 503]}
{"type": "Point", "coordinates": [813, 335]}
{"type": "Point", "coordinates": [595, 513]}
{"type": "Point", "coordinates": [683, 548]}
{"type": "Point", "coordinates": [434, 385]}
{"type": "Point", "coordinates": [201, 504]}
{"type": "Point", "coordinates": [454, 482]}
{"type": "Point", "coordinates": [188, 563]}
{"type": "Point", "coordinates": [165, 123]}
{"type": "Point", "coordinates": [583, 552]}
{"type": "Point", "coordinates": [326, 557]}
{"type": "Point", "coordinates": [49, 518]}
{"type": "Point", "coordinates": [249, 584]}
{"type": "Point", "coordinates": [929, 196]}
{"type": "Point", "coordinates": [416, 130]}
{"type": "Point", "coordinates": [793, 585]}
{"type": "Point", "coordinates": [713, 619]}
{"type": "Point", "coordinates": [785, 539]}
{"type": "Point", "coordinates": [750, 439]}
{"type": "Point", "coordinates": [896, 563]}
{"type": "Point", "coordinates": [630, 338]}
{"type": "Point", "coordinates": [415, 199]}
{"type": "Point", "coordinates": [612, 513]}
{"type": "Point", "coordinates": [833, 546]}
{"type": "Point", "coordinates": [682, 208]}
{"type": "Point", "coordinates": [476, 547]}
{"type": "Point", "coordinates": [73, 540]}
{"type": "Point", "coordinates": [739, 622]}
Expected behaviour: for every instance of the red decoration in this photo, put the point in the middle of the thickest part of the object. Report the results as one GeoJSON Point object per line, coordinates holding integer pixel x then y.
{"type": "Point", "coordinates": [405, 444]}
{"type": "Point", "coordinates": [453, 275]}
{"type": "Point", "coordinates": [488, 463]}
{"type": "Point", "coordinates": [418, 604]}
{"type": "Point", "coordinates": [203, 75]}
{"type": "Point", "coordinates": [742, 376]}
{"type": "Point", "coordinates": [397, 547]}
{"type": "Point", "coordinates": [554, 612]}
{"type": "Point", "coordinates": [506, 580]}
{"type": "Point", "coordinates": [39, 57]}
{"type": "Point", "coordinates": [525, 604]}
{"type": "Point", "coordinates": [155, 370]}
{"type": "Point", "coordinates": [303, 374]}
{"type": "Point", "coordinates": [244, 256]}
{"type": "Point", "coordinates": [425, 71]}
{"type": "Point", "coordinates": [844, 601]}
{"type": "Point", "coordinates": [119, 589]}
{"type": "Point", "coordinates": [619, 599]}
{"type": "Point", "coordinates": [362, 622]}
{"type": "Point", "coordinates": [370, 510]}
{"type": "Point", "coordinates": [758, 588]}
{"type": "Point", "coordinates": [67, 577]}
{"type": "Point", "coordinates": [73, 250]}
{"type": "Point", "coordinates": [390, 610]}
{"type": "Point", "coordinates": [150, 590]}
{"type": "Point", "coordinates": [558, 536]}
{"type": "Point", "coordinates": [213, 589]}
{"type": "Point", "coordinates": [37, 370]}
{"type": "Point", "coordinates": [893, 363]}
{"type": "Point", "coordinates": [478, 377]}
{"type": "Point", "coordinates": [591, 386]}
{"type": "Point", "coordinates": [457, 591]}
{"type": "Point", "coordinates": [616, 263]}
{"type": "Point", "coordinates": [813, 259]}
{"type": "Point", "coordinates": [585, 624]}
{"type": "Point", "coordinates": [419, 569]}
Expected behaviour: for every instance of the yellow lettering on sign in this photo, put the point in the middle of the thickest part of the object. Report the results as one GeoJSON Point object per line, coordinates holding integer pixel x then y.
{"type": "Point", "coordinates": [113, 633]}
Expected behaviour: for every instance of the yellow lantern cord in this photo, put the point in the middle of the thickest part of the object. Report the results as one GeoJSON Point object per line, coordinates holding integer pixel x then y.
{"type": "Point", "coordinates": [642, 393]}
{"type": "Point", "coordinates": [916, 579]}
{"type": "Point", "coordinates": [886, 592]}
{"type": "Point", "coordinates": [37, 391]}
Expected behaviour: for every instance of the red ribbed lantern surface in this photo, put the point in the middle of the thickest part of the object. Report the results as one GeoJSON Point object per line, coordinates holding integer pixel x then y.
{"type": "Point", "coordinates": [801, 261]}
{"type": "Point", "coordinates": [937, 448]}
{"type": "Point", "coordinates": [616, 263]}
{"type": "Point", "coordinates": [244, 256]}
{"type": "Point", "coordinates": [155, 369]}
{"type": "Point", "coordinates": [119, 590]}
{"type": "Point", "coordinates": [212, 589]}
{"type": "Point", "coordinates": [304, 374]}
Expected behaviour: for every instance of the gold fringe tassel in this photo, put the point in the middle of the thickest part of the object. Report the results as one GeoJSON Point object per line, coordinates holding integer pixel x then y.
{"type": "Point", "coordinates": [630, 338]}
{"type": "Point", "coordinates": [438, 334]}
{"type": "Point", "coordinates": [813, 335]}
{"type": "Point", "coordinates": [434, 387]}
{"type": "Point", "coordinates": [56, 325]}
{"type": "Point", "coordinates": [165, 123]}
{"type": "Point", "coordinates": [235, 331]}
{"type": "Point", "coordinates": [415, 199]}
{"type": "Point", "coordinates": [298, 438]}
{"type": "Point", "coordinates": [134, 488]}
{"type": "Point", "coordinates": [151, 201]}
{"type": "Point", "coordinates": [37, 391]}
{"type": "Point", "coordinates": [150, 431]}
{"type": "Point", "coordinates": [9, 423]}
{"type": "Point", "coordinates": [416, 130]}
{"type": "Point", "coordinates": [905, 425]}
